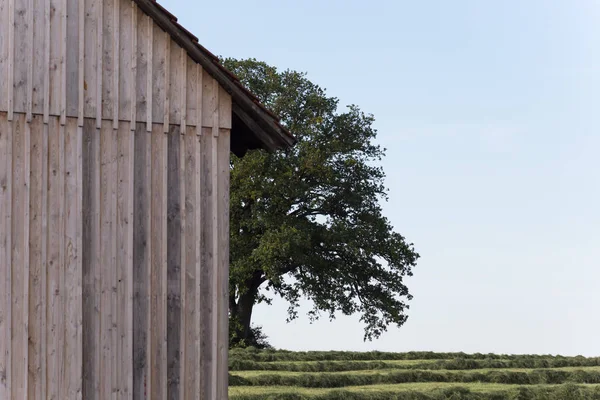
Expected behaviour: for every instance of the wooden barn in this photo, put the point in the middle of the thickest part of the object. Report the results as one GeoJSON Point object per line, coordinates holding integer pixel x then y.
{"type": "Point", "coordinates": [115, 134]}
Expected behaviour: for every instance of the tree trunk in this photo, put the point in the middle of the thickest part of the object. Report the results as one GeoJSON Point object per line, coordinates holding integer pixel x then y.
{"type": "Point", "coordinates": [243, 315]}
{"type": "Point", "coordinates": [241, 310]}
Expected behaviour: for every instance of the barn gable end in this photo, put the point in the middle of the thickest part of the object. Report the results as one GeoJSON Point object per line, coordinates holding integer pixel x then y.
{"type": "Point", "coordinates": [121, 60]}
{"type": "Point", "coordinates": [115, 134]}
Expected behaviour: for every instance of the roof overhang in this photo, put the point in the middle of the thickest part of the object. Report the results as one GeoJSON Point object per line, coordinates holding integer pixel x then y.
{"type": "Point", "coordinates": [253, 125]}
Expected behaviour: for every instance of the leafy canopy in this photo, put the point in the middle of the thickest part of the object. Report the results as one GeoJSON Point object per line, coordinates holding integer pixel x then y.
{"type": "Point", "coordinates": [307, 222]}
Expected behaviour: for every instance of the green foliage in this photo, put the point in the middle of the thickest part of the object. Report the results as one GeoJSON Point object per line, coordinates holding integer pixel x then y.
{"type": "Point", "coordinates": [257, 340]}
{"type": "Point", "coordinates": [307, 222]}
{"type": "Point", "coordinates": [444, 360]}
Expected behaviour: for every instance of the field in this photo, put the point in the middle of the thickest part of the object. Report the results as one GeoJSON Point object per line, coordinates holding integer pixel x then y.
{"type": "Point", "coordinates": [288, 375]}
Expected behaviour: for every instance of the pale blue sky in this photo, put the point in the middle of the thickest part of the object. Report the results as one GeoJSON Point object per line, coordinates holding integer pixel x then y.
{"type": "Point", "coordinates": [490, 111]}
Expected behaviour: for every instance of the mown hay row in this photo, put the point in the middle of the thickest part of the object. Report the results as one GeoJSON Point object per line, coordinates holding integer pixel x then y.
{"type": "Point", "coordinates": [284, 355]}
{"type": "Point", "coordinates": [240, 364]}
{"type": "Point", "coordinates": [325, 380]}
{"type": "Point", "coordinates": [563, 392]}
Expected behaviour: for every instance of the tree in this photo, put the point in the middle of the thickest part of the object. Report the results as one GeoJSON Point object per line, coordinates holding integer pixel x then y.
{"type": "Point", "coordinates": [307, 222]}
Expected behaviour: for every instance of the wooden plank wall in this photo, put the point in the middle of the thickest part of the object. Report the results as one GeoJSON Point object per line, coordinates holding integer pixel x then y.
{"type": "Point", "coordinates": [114, 178]}
{"type": "Point", "coordinates": [101, 59]}
{"type": "Point", "coordinates": [41, 248]}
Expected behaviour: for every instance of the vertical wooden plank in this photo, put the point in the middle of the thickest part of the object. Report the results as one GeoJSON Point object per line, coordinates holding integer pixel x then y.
{"type": "Point", "coordinates": [11, 58]}
{"type": "Point", "coordinates": [215, 264]}
{"type": "Point", "coordinates": [47, 65]}
{"type": "Point", "coordinates": [71, 73]}
{"type": "Point", "coordinates": [113, 273]}
{"type": "Point", "coordinates": [150, 75]}
{"type": "Point", "coordinates": [39, 67]}
{"type": "Point", "coordinates": [159, 79]}
{"type": "Point", "coordinates": [168, 90]}
{"type": "Point", "coordinates": [20, 256]}
{"type": "Point", "coordinates": [91, 58]}
{"type": "Point", "coordinates": [207, 288]}
{"type": "Point", "coordinates": [158, 276]}
{"type": "Point", "coordinates": [55, 334]}
{"type": "Point", "coordinates": [37, 259]}
{"type": "Point", "coordinates": [44, 266]}
{"type": "Point", "coordinates": [21, 52]}
{"type": "Point", "coordinates": [176, 77]}
{"type": "Point", "coordinates": [99, 62]}
{"type": "Point", "coordinates": [191, 86]}
{"type": "Point", "coordinates": [224, 109]}
{"type": "Point", "coordinates": [116, 47]}
{"type": "Point", "coordinates": [214, 171]}
{"type": "Point", "coordinates": [209, 99]}
{"type": "Point", "coordinates": [128, 345]}
{"type": "Point", "coordinates": [88, 289]}
{"type": "Point", "coordinates": [63, 61]}
{"type": "Point", "coordinates": [91, 260]}
{"type": "Point", "coordinates": [108, 60]}
{"type": "Point", "coordinates": [81, 66]}
{"type": "Point", "coordinates": [125, 76]}
{"type": "Point", "coordinates": [5, 256]}
{"type": "Point", "coordinates": [133, 66]}
{"type": "Point", "coordinates": [174, 266]}
{"type": "Point", "coordinates": [215, 111]}
{"type": "Point", "coordinates": [108, 222]}
{"type": "Point", "coordinates": [183, 84]}
{"type": "Point", "coordinates": [223, 248]}
{"type": "Point", "coordinates": [125, 260]}
{"type": "Point", "coordinates": [199, 267]}
{"type": "Point", "coordinates": [30, 60]}
{"type": "Point", "coordinates": [199, 99]}
{"type": "Point", "coordinates": [192, 267]}
{"type": "Point", "coordinates": [142, 181]}
{"type": "Point", "coordinates": [55, 46]}
{"type": "Point", "coordinates": [72, 378]}
{"type": "Point", "coordinates": [183, 267]}
{"type": "Point", "coordinates": [4, 76]}
{"type": "Point", "coordinates": [142, 47]}
{"type": "Point", "coordinates": [44, 291]}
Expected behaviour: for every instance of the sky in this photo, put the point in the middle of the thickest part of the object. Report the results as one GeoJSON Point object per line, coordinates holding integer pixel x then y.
{"type": "Point", "coordinates": [490, 111]}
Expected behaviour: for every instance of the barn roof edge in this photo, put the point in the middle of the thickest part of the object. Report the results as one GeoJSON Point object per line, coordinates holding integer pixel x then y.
{"type": "Point", "coordinates": [254, 125]}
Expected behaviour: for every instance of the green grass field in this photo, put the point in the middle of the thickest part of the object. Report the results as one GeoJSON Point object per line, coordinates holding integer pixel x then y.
{"type": "Point", "coordinates": [273, 374]}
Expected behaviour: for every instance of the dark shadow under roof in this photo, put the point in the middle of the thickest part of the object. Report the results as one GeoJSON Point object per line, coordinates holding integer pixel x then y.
{"type": "Point", "coordinates": [253, 125]}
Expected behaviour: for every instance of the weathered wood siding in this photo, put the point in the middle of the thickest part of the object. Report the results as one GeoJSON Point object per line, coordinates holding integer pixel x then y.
{"type": "Point", "coordinates": [114, 199]}
{"type": "Point", "coordinates": [100, 59]}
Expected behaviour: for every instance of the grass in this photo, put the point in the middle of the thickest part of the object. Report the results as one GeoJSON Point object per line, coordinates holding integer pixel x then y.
{"type": "Point", "coordinates": [255, 373]}
{"type": "Point", "coordinates": [338, 380]}
{"type": "Point", "coordinates": [284, 355]}
{"type": "Point", "coordinates": [283, 375]}
{"type": "Point", "coordinates": [326, 366]}
{"type": "Point", "coordinates": [425, 391]}
{"type": "Point", "coordinates": [240, 364]}
{"type": "Point", "coordinates": [414, 386]}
